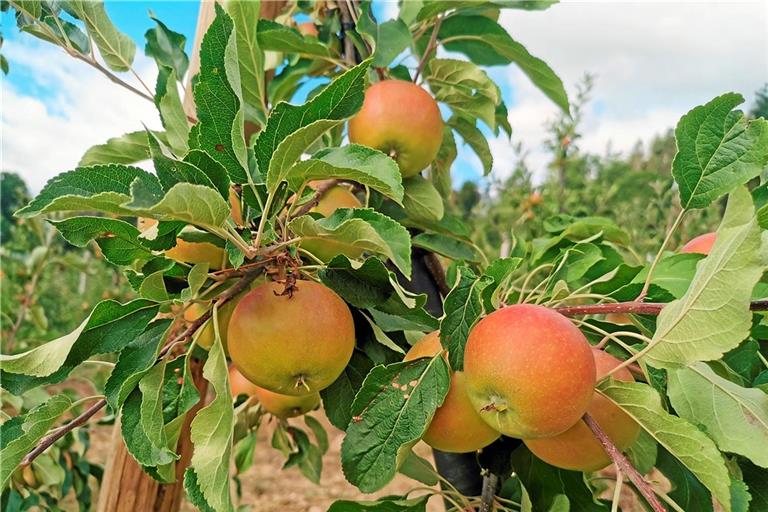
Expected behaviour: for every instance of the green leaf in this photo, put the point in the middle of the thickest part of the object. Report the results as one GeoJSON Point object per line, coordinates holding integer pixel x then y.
{"type": "Point", "coordinates": [361, 285]}
{"type": "Point", "coordinates": [465, 88]}
{"type": "Point", "coordinates": [167, 48]}
{"type": "Point", "coordinates": [553, 489]}
{"type": "Point", "coordinates": [62, 30]}
{"type": "Point", "coordinates": [390, 413]}
{"type": "Point", "coordinates": [319, 431]}
{"type": "Point", "coordinates": [736, 418]}
{"type": "Point", "coordinates": [153, 287]}
{"type": "Point", "coordinates": [126, 149]}
{"type": "Point", "coordinates": [486, 43]}
{"type": "Point", "coordinates": [440, 171]}
{"type": "Point", "coordinates": [212, 432]}
{"type": "Point", "coordinates": [171, 171]}
{"type": "Point", "coordinates": [501, 272]}
{"type": "Point", "coordinates": [422, 201]}
{"type": "Point", "coordinates": [387, 504]}
{"type": "Point", "coordinates": [687, 491]}
{"type": "Point", "coordinates": [449, 247]}
{"type": "Point", "coordinates": [360, 229]}
{"type": "Point", "coordinates": [245, 15]}
{"type": "Point", "coordinates": [463, 308]}
{"type": "Point", "coordinates": [713, 316]}
{"type": "Point", "coordinates": [29, 429]}
{"type": "Point", "coordinates": [419, 469]}
{"type": "Point", "coordinates": [244, 451]}
{"type": "Point", "coordinates": [134, 361]}
{"type": "Point", "coordinates": [195, 204]}
{"type": "Point", "coordinates": [757, 481]}
{"type": "Point", "coordinates": [110, 327]}
{"type": "Point", "coordinates": [688, 444]}
{"type": "Point", "coordinates": [117, 239]}
{"type": "Point", "coordinates": [217, 98]}
{"type": "Point", "coordinates": [643, 453]}
{"type": "Point", "coordinates": [432, 8]}
{"type": "Point", "coordinates": [388, 39]}
{"type": "Point", "coordinates": [718, 149]}
{"type": "Point", "coordinates": [171, 110]}
{"type": "Point", "coordinates": [141, 421]}
{"type": "Point", "coordinates": [292, 129]}
{"type": "Point", "coordinates": [213, 169]}
{"type": "Point", "coordinates": [116, 48]}
{"type": "Point", "coordinates": [476, 140]}
{"type": "Point", "coordinates": [353, 162]}
{"type": "Point", "coordinates": [100, 187]}
{"type": "Point", "coordinates": [279, 38]}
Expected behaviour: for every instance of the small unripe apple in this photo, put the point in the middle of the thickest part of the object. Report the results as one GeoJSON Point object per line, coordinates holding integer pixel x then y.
{"type": "Point", "coordinates": [308, 29]}
{"type": "Point", "coordinates": [702, 244]}
{"type": "Point", "coordinates": [338, 196]}
{"type": "Point", "coordinates": [618, 318]}
{"type": "Point", "coordinates": [190, 252]}
{"type": "Point", "coordinates": [207, 335]}
{"type": "Point", "coordinates": [292, 344]}
{"type": "Point", "coordinates": [281, 406]}
{"type": "Point", "coordinates": [577, 448]}
{"type": "Point", "coordinates": [456, 426]}
{"type": "Point", "coordinates": [529, 371]}
{"type": "Point", "coordinates": [402, 120]}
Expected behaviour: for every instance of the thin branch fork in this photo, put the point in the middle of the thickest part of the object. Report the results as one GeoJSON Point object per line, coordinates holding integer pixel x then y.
{"type": "Point", "coordinates": [320, 191]}
{"type": "Point", "coordinates": [624, 465]}
{"type": "Point", "coordinates": [431, 45]}
{"type": "Point", "coordinates": [81, 419]}
{"type": "Point", "coordinates": [634, 307]}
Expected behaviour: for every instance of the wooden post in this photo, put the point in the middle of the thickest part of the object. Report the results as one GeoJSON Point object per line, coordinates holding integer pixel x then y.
{"type": "Point", "coordinates": [126, 488]}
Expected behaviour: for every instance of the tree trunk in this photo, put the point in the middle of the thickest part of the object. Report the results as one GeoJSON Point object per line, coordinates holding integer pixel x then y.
{"type": "Point", "coordinates": [127, 488]}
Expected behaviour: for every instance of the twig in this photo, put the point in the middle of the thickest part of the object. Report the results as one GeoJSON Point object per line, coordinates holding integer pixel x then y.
{"type": "Point", "coordinates": [623, 464]}
{"type": "Point", "coordinates": [657, 258]}
{"type": "Point", "coordinates": [320, 191]}
{"type": "Point", "coordinates": [437, 272]}
{"type": "Point", "coordinates": [490, 483]}
{"type": "Point", "coordinates": [346, 25]}
{"type": "Point", "coordinates": [60, 432]}
{"type": "Point", "coordinates": [57, 434]}
{"type": "Point", "coordinates": [638, 308]}
{"type": "Point", "coordinates": [430, 47]}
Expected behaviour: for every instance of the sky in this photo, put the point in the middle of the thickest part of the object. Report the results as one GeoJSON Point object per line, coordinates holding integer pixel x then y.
{"type": "Point", "coordinates": [652, 62]}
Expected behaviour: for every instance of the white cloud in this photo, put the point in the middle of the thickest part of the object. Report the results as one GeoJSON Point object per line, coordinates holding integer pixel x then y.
{"type": "Point", "coordinates": [652, 62]}
{"type": "Point", "coordinates": [66, 108]}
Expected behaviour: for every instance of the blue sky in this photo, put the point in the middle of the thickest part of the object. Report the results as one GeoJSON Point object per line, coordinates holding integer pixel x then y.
{"type": "Point", "coordinates": [653, 62]}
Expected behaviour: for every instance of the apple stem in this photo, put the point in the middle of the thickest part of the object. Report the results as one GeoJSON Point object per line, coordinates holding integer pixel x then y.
{"type": "Point", "coordinates": [430, 48]}
{"type": "Point", "coordinates": [623, 464]}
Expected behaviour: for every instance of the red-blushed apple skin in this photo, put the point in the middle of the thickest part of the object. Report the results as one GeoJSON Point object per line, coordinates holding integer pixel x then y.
{"type": "Point", "coordinates": [308, 29]}
{"type": "Point", "coordinates": [334, 198]}
{"type": "Point", "coordinates": [402, 119]}
{"type": "Point", "coordinates": [455, 427]}
{"type": "Point", "coordinates": [702, 244]}
{"type": "Point", "coordinates": [529, 371]}
{"type": "Point", "coordinates": [207, 335]}
{"type": "Point", "coordinates": [286, 406]}
{"type": "Point", "coordinates": [239, 385]}
{"type": "Point", "coordinates": [577, 448]}
{"type": "Point", "coordinates": [291, 344]}
{"type": "Point", "coordinates": [618, 318]}
{"type": "Point", "coordinates": [282, 406]}
{"type": "Point", "coordinates": [189, 252]}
